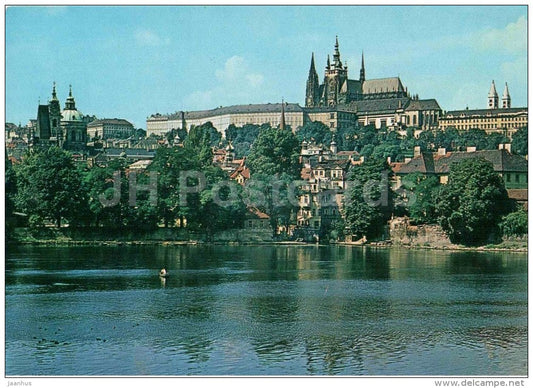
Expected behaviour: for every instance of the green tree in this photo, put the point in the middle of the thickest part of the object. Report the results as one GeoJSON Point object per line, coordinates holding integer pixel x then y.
{"type": "Point", "coordinates": [275, 195]}
{"type": "Point", "coordinates": [200, 141]}
{"type": "Point", "coordinates": [514, 224]}
{"type": "Point", "coordinates": [471, 205]}
{"type": "Point", "coordinates": [314, 131]}
{"type": "Point", "coordinates": [243, 137]}
{"type": "Point", "coordinates": [421, 194]}
{"type": "Point", "coordinates": [107, 191]}
{"type": "Point", "coordinates": [49, 187]}
{"type": "Point", "coordinates": [346, 138]}
{"type": "Point", "coordinates": [519, 143]}
{"type": "Point", "coordinates": [447, 139]}
{"type": "Point", "coordinates": [369, 199]}
{"type": "Point", "coordinates": [275, 152]}
{"type": "Point", "coordinates": [168, 164]}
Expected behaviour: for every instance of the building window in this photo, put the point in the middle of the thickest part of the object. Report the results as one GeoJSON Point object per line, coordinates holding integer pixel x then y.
{"type": "Point", "coordinates": [332, 125]}
{"type": "Point", "coordinates": [508, 177]}
{"type": "Point", "coordinates": [332, 116]}
{"type": "Point", "coordinates": [517, 178]}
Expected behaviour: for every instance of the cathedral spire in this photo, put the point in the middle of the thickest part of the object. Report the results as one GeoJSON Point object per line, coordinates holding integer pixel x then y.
{"type": "Point", "coordinates": [328, 63]}
{"type": "Point", "coordinates": [312, 69]}
{"type": "Point", "coordinates": [362, 72]}
{"type": "Point", "coordinates": [337, 54]}
{"type": "Point", "coordinates": [311, 91]}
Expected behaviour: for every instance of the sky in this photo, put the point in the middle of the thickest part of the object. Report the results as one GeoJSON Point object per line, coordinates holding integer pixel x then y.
{"type": "Point", "coordinates": [133, 61]}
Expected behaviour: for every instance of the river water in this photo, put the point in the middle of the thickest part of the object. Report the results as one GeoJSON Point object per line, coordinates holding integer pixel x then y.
{"type": "Point", "coordinates": [264, 310]}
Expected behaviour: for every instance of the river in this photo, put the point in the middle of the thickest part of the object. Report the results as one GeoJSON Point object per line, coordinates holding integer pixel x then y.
{"type": "Point", "coordinates": [264, 310]}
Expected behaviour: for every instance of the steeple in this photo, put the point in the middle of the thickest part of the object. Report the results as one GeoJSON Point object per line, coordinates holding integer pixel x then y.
{"type": "Point", "coordinates": [493, 97]}
{"type": "Point", "coordinates": [70, 104]}
{"type": "Point", "coordinates": [337, 54]}
{"type": "Point", "coordinates": [506, 98]}
{"type": "Point", "coordinates": [362, 72]}
{"type": "Point", "coordinates": [312, 87]}
{"type": "Point", "coordinates": [54, 95]}
{"type": "Point", "coordinates": [312, 69]}
{"type": "Point", "coordinates": [328, 63]}
{"type": "Point", "coordinates": [282, 120]}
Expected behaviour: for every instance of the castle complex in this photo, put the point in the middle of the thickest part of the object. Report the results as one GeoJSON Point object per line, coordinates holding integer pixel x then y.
{"type": "Point", "coordinates": [337, 102]}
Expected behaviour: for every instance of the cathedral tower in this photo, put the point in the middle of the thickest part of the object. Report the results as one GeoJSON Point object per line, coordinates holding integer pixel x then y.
{"type": "Point", "coordinates": [311, 90]}
{"type": "Point", "coordinates": [334, 78]}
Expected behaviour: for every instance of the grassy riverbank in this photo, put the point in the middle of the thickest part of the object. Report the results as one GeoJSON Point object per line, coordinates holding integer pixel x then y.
{"type": "Point", "coordinates": [176, 237]}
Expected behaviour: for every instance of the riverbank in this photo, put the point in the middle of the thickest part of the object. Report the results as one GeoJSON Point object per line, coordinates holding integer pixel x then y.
{"type": "Point", "coordinates": [57, 237]}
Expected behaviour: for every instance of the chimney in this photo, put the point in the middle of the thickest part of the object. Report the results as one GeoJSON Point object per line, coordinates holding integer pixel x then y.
{"type": "Point", "coordinates": [441, 151]}
{"type": "Point", "coordinates": [505, 146]}
{"type": "Point", "coordinates": [471, 149]}
{"type": "Point", "coordinates": [407, 160]}
{"type": "Point", "coordinates": [417, 151]}
{"type": "Point", "coordinates": [388, 160]}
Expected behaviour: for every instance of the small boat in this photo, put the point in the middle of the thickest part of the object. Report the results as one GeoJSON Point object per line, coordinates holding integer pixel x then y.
{"type": "Point", "coordinates": [163, 273]}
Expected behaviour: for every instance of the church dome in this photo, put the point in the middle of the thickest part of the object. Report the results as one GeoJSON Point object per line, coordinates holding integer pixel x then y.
{"type": "Point", "coordinates": [70, 113]}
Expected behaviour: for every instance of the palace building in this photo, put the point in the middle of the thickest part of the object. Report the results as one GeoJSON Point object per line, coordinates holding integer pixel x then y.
{"type": "Point", "coordinates": [337, 102]}
{"type": "Point", "coordinates": [505, 120]}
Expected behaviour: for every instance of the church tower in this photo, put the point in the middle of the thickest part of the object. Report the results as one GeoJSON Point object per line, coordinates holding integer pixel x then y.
{"type": "Point", "coordinates": [311, 90]}
{"type": "Point", "coordinates": [493, 97]}
{"type": "Point", "coordinates": [334, 78]}
{"type": "Point", "coordinates": [55, 118]}
{"type": "Point", "coordinates": [506, 98]}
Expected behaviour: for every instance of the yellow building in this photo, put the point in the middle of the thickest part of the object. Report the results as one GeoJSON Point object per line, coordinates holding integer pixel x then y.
{"type": "Point", "coordinates": [504, 120]}
{"type": "Point", "coordinates": [223, 117]}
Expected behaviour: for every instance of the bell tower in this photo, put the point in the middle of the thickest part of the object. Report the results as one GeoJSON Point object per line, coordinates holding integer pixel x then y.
{"type": "Point", "coordinates": [55, 115]}
{"type": "Point", "coordinates": [493, 97]}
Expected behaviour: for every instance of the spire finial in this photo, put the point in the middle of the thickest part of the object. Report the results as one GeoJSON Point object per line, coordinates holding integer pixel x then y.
{"type": "Point", "coordinates": [54, 95]}
{"type": "Point", "coordinates": [70, 90]}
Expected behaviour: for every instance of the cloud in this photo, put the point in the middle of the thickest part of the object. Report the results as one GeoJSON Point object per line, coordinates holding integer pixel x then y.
{"type": "Point", "coordinates": [235, 83]}
{"type": "Point", "coordinates": [236, 69]}
{"type": "Point", "coordinates": [511, 39]}
{"type": "Point", "coordinates": [150, 38]}
{"type": "Point", "coordinates": [515, 70]}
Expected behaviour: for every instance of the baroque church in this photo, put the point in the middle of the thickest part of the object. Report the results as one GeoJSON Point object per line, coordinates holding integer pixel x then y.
{"type": "Point", "coordinates": [65, 128]}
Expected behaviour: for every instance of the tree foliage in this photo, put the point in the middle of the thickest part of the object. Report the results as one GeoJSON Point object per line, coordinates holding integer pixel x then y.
{"type": "Point", "coordinates": [49, 186]}
{"type": "Point", "coordinates": [369, 198]}
{"type": "Point", "coordinates": [519, 143]}
{"type": "Point", "coordinates": [514, 224]}
{"type": "Point", "coordinates": [421, 195]}
{"type": "Point", "coordinates": [275, 152]}
{"type": "Point", "coordinates": [471, 205]}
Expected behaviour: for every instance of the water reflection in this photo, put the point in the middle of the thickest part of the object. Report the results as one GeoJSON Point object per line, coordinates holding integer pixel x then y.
{"type": "Point", "coordinates": [264, 310]}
